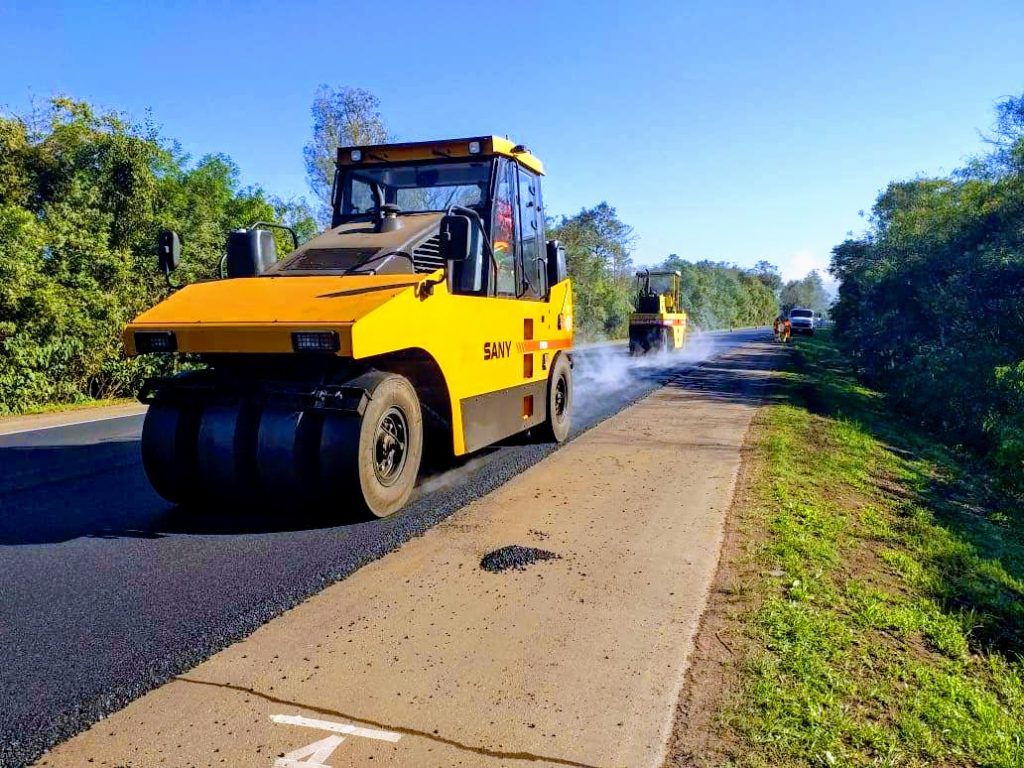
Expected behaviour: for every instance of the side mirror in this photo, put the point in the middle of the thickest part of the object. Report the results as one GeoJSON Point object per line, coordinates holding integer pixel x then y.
{"type": "Point", "coordinates": [168, 250]}
{"type": "Point", "coordinates": [456, 238]}
{"type": "Point", "coordinates": [557, 270]}
{"type": "Point", "coordinates": [250, 252]}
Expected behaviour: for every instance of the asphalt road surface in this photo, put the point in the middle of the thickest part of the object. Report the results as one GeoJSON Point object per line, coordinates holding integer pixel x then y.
{"type": "Point", "coordinates": [107, 591]}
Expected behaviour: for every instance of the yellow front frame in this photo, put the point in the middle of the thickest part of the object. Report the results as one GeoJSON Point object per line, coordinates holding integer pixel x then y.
{"type": "Point", "coordinates": [481, 344]}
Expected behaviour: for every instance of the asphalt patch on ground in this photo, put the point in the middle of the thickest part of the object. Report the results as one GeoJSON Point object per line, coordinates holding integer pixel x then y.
{"type": "Point", "coordinates": [515, 558]}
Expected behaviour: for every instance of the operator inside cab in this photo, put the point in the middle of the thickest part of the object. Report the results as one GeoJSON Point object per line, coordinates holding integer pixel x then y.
{"type": "Point", "coordinates": [503, 236]}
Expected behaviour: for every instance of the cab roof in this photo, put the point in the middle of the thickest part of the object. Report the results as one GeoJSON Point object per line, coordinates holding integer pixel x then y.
{"type": "Point", "coordinates": [488, 146]}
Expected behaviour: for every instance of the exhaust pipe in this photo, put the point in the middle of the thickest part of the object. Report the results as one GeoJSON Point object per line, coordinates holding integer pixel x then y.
{"type": "Point", "coordinates": [388, 220]}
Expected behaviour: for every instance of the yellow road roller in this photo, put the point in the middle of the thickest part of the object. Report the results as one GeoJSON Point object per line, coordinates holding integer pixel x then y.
{"type": "Point", "coordinates": [659, 322]}
{"type": "Point", "coordinates": [431, 316]}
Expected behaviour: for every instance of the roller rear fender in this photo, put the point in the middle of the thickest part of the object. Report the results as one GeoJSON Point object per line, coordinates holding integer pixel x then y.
{"type": "Point", "coordinates": [432, 386]}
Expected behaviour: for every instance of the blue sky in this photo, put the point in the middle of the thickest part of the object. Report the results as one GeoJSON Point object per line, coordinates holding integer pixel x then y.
{"type": "Point", "coordinates": [732, 131]}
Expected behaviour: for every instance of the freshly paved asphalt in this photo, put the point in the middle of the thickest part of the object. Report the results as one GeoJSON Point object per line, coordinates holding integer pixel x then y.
{"type": "Point", "coordinates": [107, 591]}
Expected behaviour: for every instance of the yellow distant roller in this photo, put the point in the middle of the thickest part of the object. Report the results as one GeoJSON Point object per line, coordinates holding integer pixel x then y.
{"type": "Point", "coordinates": [432, 315]}
{"type": "Point", "coordinates": [659, 322]}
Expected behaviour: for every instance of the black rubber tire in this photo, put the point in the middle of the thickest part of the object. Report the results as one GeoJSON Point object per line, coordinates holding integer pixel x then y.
{"type": "Point", "coordinates": [350, 476]}
{"type": "Point", "coordinates": [556, 426]}
{"type": "Point", "coordinates": [169, 451]}
{"type": "Point", "coordinates": [287, 442]}
{"type": "Point", "coordinates": [226, 451]}
{"type": "Point", "coordinates": [641, 345]}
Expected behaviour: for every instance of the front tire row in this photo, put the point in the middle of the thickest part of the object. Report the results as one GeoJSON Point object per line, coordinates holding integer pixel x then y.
{"type": "Point", "coordinates": [346, 466]}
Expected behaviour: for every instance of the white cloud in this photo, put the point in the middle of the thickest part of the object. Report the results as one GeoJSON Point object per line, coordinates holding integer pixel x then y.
{"type": "Point", "coordinates": [802, 262]}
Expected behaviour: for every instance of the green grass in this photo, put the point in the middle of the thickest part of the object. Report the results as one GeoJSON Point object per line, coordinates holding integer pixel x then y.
{"type": "Point", "coordinates": [61, 407]}
{"type": "Point", "coordinates": [890, 627]}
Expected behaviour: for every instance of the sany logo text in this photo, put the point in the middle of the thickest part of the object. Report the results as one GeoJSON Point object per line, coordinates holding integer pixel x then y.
{"type": "Point", "coordinates": [493, 349]}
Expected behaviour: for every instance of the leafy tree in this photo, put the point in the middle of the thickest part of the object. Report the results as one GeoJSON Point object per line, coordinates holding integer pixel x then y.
{"type": "Point", "coordinates": [769, 275]}
{"type": "Point", "coordinates": [1008, 152]}
{"type": "Point", "coordinates": [931, 298]}
{"type": "Point", "coordinates": [598, 249]}
{"type": "Point", "coordinates": [341, 117]}
{"type": "Point", "coordinates": [298, 215]}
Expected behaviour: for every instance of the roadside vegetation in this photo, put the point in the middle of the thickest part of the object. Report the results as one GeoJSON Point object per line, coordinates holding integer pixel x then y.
{"type": "Point", "coordinates": [876, 608]}
{"type": "Point", "coordinates": [931, 298]}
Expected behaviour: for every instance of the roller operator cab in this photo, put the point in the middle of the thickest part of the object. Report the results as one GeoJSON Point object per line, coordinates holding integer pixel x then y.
{"type": "Point", "coordinates": [431, 317]}
{"type": "Point", "coordinates": [658, 322]}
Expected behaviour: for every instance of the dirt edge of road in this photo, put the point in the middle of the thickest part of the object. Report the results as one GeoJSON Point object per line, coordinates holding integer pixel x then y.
{"type": "Point", "coordinates": [700, 738]}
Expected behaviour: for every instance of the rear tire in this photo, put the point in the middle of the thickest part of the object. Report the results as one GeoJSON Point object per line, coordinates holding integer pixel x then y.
{"type": "Point", "coordinates": [559, 420]}
{"type": "Point", "coordinates": [640, 341]}
{"type": "Point", "coordinates": [369, 463]}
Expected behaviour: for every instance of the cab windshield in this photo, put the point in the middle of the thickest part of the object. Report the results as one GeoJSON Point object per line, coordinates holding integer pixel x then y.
{"type": "Point", "coordinates": [414, 187]}
{"type": "Point", "coordinates": [661, 284]}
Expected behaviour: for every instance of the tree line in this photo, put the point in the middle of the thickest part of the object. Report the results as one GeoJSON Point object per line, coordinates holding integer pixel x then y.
{"type": "Point", "coordinates": [931, 297]}
{"type": "Point", "coordinates": [84, 192]}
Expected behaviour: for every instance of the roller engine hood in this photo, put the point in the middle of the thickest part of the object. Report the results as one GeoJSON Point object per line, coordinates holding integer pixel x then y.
{"type": "Point", "coordinates": [273, 299]}
{"type": "Point", "coordinates": [308, 288]}
{"type": "Point", "coordinates": [358, 242]}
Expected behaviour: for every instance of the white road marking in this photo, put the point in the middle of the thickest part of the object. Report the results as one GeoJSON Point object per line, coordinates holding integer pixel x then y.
{"type": "Point", "coordinates": [312, 755]}
{"type": "Point", "coordinates": [22, 430]}
{"type": "Point", "coordinates": [346, 728]}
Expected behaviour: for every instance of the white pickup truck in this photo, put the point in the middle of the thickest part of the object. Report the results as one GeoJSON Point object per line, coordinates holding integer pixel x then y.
{"type": "Point", "coordinates": [802, 320]}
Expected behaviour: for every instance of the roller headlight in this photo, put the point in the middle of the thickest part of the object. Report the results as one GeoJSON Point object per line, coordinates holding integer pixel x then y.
{"type": "Point", "coordinates": [155, 341]}
{"type": "Point", "coordinates": [316, 341]}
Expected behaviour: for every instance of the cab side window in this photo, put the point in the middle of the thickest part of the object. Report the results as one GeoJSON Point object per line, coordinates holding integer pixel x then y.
{"type": "Point", "coordinates": [359, 197]}
{"type": "Point", "coordinates": [503, 230]}
{"type": "Point", "coordinates": [531, 232]}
